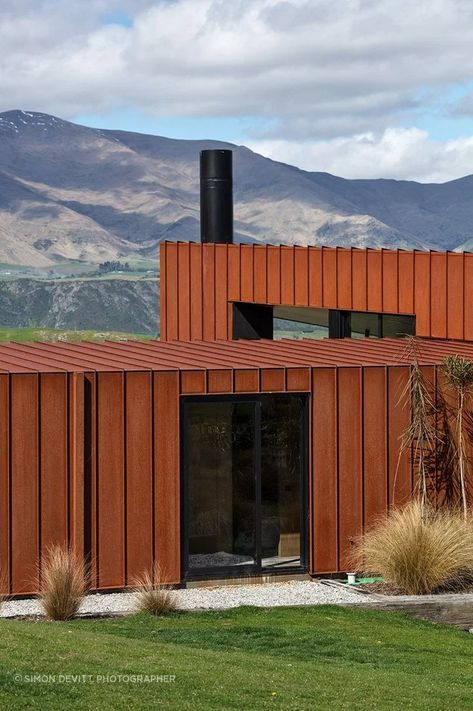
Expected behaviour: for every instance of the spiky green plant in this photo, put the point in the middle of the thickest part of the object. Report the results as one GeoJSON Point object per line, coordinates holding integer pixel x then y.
{"type": "Point", "coordinates": [459, 373]}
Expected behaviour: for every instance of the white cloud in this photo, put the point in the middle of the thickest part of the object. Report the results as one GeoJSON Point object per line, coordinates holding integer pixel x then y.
{"type": "Point", "coordinates": [397, 153]}
{"type": "Point", "coordinates": [326, 77]}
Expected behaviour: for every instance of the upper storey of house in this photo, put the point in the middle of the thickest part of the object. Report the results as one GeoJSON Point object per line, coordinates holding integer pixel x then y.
{"type": "Point", "coordinates": [218, 290]}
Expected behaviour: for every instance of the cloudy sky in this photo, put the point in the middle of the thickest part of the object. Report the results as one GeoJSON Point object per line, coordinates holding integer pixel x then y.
{"type": "Point", "coordinates": [359, 88]}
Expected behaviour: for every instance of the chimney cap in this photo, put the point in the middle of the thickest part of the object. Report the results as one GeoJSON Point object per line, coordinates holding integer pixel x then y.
{"type": "Point", "coordinates": [216, 163]}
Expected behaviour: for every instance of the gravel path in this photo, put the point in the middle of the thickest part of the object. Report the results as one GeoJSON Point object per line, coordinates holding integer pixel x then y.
{"type": "Point", "coordinates": [216, 598]}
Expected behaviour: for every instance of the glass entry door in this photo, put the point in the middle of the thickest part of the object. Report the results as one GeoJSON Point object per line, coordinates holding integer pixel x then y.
{"type": "Point", "coordinates": [244, 485]}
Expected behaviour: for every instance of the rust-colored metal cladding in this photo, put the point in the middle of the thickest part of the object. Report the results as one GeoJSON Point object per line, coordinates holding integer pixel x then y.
{"type": "Point", "coordinates": [90, 441]}
{"type": "Point", "coordinates": [435, 287]}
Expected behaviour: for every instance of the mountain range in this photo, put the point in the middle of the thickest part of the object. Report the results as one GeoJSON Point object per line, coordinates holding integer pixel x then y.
{"type": "Point", "coordinates": [68, 192]}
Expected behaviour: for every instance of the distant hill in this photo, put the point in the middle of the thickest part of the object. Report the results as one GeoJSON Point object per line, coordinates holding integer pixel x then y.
{"type": "Point", "coordinates": [73, 193]}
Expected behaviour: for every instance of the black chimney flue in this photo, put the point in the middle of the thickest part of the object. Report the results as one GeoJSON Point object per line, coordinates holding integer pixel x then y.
{"type": "Point", "coordinates": [216, 196]}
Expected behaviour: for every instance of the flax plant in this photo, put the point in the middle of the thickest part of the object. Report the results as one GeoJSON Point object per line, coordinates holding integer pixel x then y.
{"type": "Point", "coordinates": [421, 435]}
{"type": "Point", "coordinates": [459, 374]}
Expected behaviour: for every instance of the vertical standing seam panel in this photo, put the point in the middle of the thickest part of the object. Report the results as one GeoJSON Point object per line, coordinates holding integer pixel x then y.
{"type": "Point", "coordinates": [184, 296]}
{"type": "Point", "coordinates": [260, 274]}
{"type": "Point", "coordinates": [167, 474]}
{"type": "Point", "coordinates": [324, 528]}
{"type": "Point", "coordinates": [422, 293]}
{"type": "Point", "coordinates": [196, 291]}
{"type": "Point", "coordinates": [139, 475]}
{"type": "Point", "coordinates": [111, 480]}
{"type": "Point", "coordinates": [344, 296]}
{"type": "Point", "coordinates": [315, 277]}
{"type": "Point", "coordinates": [246, 272]}
{"type": "Point", "coordinates": [455, 296]}
{"type": "Point", "coordinates": [234, 272]}
{"type": "Point", "coordinates": [359, 279]}
{"type": "Point", "coordinates": [399, 463]}
{"type": "Point", "coordinates": [172, 293]}
{"type": "Point", "coordinates": [406, 282]}
{"type": "Point", "coordinates": [24, 483]}
{"type": "Point", "coordinates": [54, 459]}
{"type": "Point", "coordinates": [438, 300]}
{"type": "Point", "coordinates": [329, 277]}
{"type": "Point", "coordinates": [274, 275]}
{"type": "Point", "coordinates": [390, 282]}
{"type": "Point", "coordinates": [77, 514]}
{"type": "Point", "coordinates": [375, 427]}
{"type": "Point", "coordinates": [208, 295]}
{"type": "Point", "coordinates": [163, 291]}
{"type": "Point", "coordinates": [5, 483]}
{"type": "Point", "coordinates": [221, 296]}
{"type": "Point", "coordinates": [468, 296]}
{"type": "Point", "coordinates": [301, 276]}
{"type": "Point", "coordinates": [375, 280]}
{"type": "Point", "coordinates": [350, 433]}
{"type": "Point", "coordinates": [287, 276]}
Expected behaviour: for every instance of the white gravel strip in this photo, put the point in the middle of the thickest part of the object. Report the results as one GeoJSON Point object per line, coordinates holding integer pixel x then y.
{"type": "Point", "coordinates": [296, 592]}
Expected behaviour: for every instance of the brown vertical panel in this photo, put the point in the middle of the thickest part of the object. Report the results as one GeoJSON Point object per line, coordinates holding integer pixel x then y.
{"type": "Point", "coordinates": [468, 296]}
{"type": "Point", "coordinates": [91, 508]}
{"type": "Point", "coordinates": [422, 293]}
{"type": "Point", "coordinates": [196, 291]}
{"type": "Point", "coordinates": [246, 272]}
{"type": "Point", "coordinates": [274, 275]}
{"type": "Point", "coordinates": [301, 279]}
{"type": "Point", "coordinates": [77, 448]}
{"type": "Point", "coordinates": [166, 474]}
{"type": "Point", "coordinates": [272, 379]}
{"type": "Point", "coordinates": [315, 277]}
{"type": "Point", "coordinates": [375, 425]}
{"type": "Point", "coordinates": [399, 488]}
{"type": "Point", "coordinates": [329, 277]}
{"type": "Point", "coordinates": [406, 282]}
{"type": "Point", "coordinates": [324, 527]}
{"type": "Point", "coordinates": [234, 272]}
{"type": "Point", "coordinates": [193, 381]}
{"type": "Point", "coordinates": [221, 298]}
{"type": "Point", "coordinates": [260, 280]}
{"type": "Point", "coordinates": [24, 483]}
{"type": "Point", "coordinates": [162, 292]}
{"type": "Point", "coordinates": [111, 480]}
{"type": "Point", "coordinates": [246, 381]}
{"type": "Point", "coordinates": [172, 293]}
{"type": "Point", "coordinates": [4, 481]}
{"type": "Point", "coordinates": [344, 279]}
{"type": "Point", "coordinates": [54, 459]}
{"type": "Point", "coordinates": [438, 290]}
{"type": "Point", "coordinates": [298, 379]}
{"type": "Point", "coordinates": [287, 276]}
{"type": "Point", "coordinates": [219, 381]}
{"type": "Point", "coordinates": [350, 503]}
{"type": "Point", "coordinates": [390, 282]}
{"type": "Point", "coordinates": [374, 266]}
{"type": "Point", "coordinates": [184, 296]}
{"type": "Point", "coordinates": [139, 475]}
{"type": "Point", "coordinates": [208, 289]}
{"type": "Point", "coordinates": [455, 296]}
{"type": "Point", "coordinates": [359, 279]}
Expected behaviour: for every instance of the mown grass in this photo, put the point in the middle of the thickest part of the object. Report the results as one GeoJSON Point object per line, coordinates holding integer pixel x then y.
{"type": "Point", "coordinates": [250, 658]}
{"type": "Point", "coordinates": [25, 335]}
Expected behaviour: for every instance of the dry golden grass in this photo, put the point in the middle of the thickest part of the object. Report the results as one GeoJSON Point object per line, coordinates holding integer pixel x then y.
{"type": "Point", "coordinates": [151, 595]}
{"type": "Point", "coordinates": [417, 552]}
{"type": "Point", "coordinates": [63, 583]}
{"type": "Point", "coordinates": [3, 588]}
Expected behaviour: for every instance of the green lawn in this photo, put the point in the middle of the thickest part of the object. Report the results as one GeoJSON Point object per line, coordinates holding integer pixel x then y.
{"type": "Point", "coordinates": [24, 335]}
{"type": "Point", "coordinates": [250, 659]}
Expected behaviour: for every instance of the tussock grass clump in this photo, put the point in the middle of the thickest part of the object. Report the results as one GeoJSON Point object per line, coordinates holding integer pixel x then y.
{"type": "Point", "coordinates": [418, 549]}
{"type": "Point", "coordinates": [3, 589]}
{"type": "Point", "coordinates": [63, 583]}
{"type": "Point", "coordinates": [151, 595]}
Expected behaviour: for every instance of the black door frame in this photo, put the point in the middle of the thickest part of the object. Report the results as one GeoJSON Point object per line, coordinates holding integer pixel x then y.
{"type": "Point", "coordinates": [255, 568]}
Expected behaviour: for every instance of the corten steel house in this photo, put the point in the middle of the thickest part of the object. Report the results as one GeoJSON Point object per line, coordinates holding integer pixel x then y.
{"type": "Point", "coordinates": [219, 451]}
